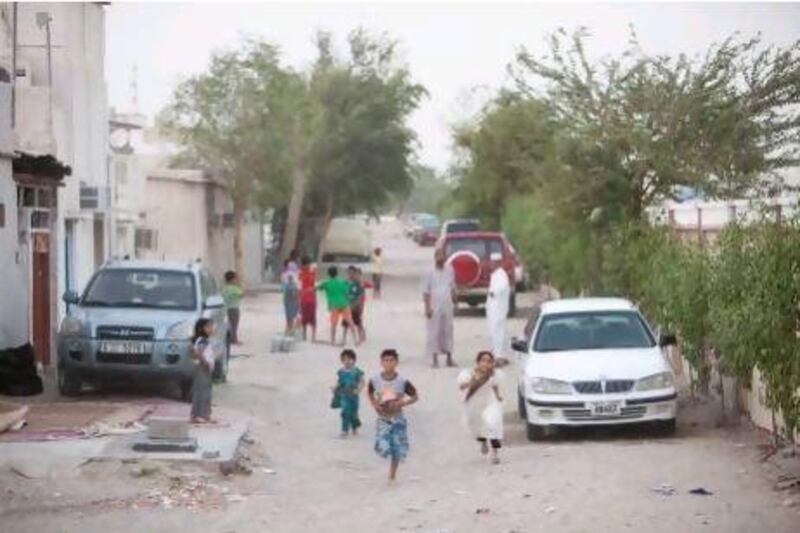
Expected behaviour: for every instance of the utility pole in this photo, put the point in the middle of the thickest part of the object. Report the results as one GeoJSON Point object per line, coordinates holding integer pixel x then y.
{"type": "Point", "coordinates": [43, 20]}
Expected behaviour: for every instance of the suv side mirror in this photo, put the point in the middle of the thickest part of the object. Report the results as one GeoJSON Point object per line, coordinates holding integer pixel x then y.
{"type": "Point", "coordinates": [71, 297]}
{"type": "Point", "coordinates": [214, 302]}
{"type": "Point", "coordinates": [519, 345]}
{"type": "Point", "coordinates": [667, 339]}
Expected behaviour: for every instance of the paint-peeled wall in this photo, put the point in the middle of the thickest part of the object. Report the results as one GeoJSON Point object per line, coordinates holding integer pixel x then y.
{"type": "Point", "coordinates": [14, 301]}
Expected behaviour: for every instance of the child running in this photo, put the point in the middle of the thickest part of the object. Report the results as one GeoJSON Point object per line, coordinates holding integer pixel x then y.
{"type": "Point", "coordinates": [389, 393]}
{"type": "Point", "coordinates": [203, 354]}
{"type": "Point", "coordinates": [308, 298]}
{"type": "Point", "coordinates": [338, 302]}
{"type": "Point", "coordinates": [357, 296]}
{"type": "Point", "coordinates": [349, 384]}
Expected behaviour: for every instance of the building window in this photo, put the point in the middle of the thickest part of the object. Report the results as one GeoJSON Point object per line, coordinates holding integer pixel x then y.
{"type": "Point", "coordinates": [145, 239]}
{"type": "Point", "coordinates": [227, 220]}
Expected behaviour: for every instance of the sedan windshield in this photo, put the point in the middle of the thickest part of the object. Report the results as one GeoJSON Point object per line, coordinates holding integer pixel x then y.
{"type": "Point", "coordinates": [592, 331]}
{"type": "Point", "coordinates": [155, 289]}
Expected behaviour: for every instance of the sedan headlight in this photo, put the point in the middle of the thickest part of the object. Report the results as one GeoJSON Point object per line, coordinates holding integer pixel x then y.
{"type": "Point", "coordinates": [181, 331]}
{"type": "Point", "coordinates": [662, 380]}
{"type": "Point", "coordinates": [550, 386]}
{"type": "Point", "coordinates": [71, 326]}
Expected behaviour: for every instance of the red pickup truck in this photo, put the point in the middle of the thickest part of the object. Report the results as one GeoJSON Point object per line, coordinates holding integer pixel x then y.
{"type": "Point", "coordinates": [469, 255]}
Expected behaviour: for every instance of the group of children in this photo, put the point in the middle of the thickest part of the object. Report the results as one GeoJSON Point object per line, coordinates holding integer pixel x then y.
{"type": "Point", "coordinates": [388, 393]}
{"type": "Point", "coordinates": [346, 300]}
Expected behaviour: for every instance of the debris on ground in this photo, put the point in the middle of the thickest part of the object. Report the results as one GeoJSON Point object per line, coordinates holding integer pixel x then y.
{"type": "Point", "coordinates": [235, 498]}
{"type": "Point", "coordinates": [788, 483]}
{"type": "Point", "coordinates": [268, 471]}
{"type": "Point", "coordinates": [549, 509]}
{"type": "Point", "coordinates": [664, 489]}
{"type": "Point", "coordinates": [240, 465]}
{"type": "Point", "coordinates": [700, 491]}
{"type": "Point", "coordinates": [791, 502]}
{"type": "Point", "coordinates": [482, 510]}
{"type": "Point", "coordinates": [146, 470]}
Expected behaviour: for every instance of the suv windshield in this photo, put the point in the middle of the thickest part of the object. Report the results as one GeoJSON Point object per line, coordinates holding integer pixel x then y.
{"type": "Point", "coordinates": [476, 246]}
{"type": "Point", "coordinates": [592, 331]}
{"type": "Point", "coordinates": [158, 289]}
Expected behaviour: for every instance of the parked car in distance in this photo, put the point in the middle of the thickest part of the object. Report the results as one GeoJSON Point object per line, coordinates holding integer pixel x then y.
{"type": "Point", "coordinates": [412, 223]}
{"type": "Point", "coordinates": [428, 232]}
{"type": "Point", "coordinates": [594, 361]}
{"type": "Point", "coordinates": [135, 320]}
{"type": "Point", "coordinates": [460, 225]}
{"type": "Point", "coordinates": [469, 254]}
{"type": "Point", "coordinates": [347, 242]}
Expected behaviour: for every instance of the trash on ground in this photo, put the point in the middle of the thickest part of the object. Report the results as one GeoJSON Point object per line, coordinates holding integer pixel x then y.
{"type": "Point", "coordinates": [482, 510]}
{"type": "Point", "coordinates": [664, 489]}
{"type": "Point", "coordinates": [269, 471]}
{"type": "Point", "coordinates": [700, 491]}
{"type": "Point", "coordinates": [549, 509]}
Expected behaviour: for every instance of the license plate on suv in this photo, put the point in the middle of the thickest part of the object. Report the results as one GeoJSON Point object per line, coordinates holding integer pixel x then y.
{"type": "Point", "coordinates": [605, 408]}
{"type": "Point", "coordinates": [126, 347]}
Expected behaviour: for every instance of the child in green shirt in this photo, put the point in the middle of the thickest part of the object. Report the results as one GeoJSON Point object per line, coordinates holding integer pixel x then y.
{"type": "Point", "coordinates": [336, 290]}
{"type": "Point", "coordinates": [232, 293]}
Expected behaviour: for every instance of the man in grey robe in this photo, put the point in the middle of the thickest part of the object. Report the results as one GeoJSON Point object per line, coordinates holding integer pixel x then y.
{"type": "Point", "coordinates": [439, 295]}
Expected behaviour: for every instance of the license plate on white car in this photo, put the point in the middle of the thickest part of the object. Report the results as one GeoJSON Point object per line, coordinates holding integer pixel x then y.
{"type": "Point", "coordinates": [605, 408]}
{"type": "Point", "coordinates": [125, 347]}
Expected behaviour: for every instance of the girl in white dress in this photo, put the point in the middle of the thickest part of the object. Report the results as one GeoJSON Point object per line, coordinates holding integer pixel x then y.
{"type": "Point", "coordinates": [483, 403]}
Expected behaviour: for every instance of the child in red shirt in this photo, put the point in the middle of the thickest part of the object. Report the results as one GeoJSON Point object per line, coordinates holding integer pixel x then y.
{"type": "Point", "coordinates": [308, 298]}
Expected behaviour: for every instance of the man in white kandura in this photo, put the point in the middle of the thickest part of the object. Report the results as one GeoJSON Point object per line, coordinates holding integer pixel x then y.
{"type": "Point", "coordinates": [497, 304]}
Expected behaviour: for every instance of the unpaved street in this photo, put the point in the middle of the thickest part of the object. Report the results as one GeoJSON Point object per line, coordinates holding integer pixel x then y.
{"type": "Point", "coordinates": [589, 481]}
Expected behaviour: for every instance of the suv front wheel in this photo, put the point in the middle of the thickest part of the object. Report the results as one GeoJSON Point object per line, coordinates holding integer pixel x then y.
{"type": "Point", "coordinates": [69, 382]}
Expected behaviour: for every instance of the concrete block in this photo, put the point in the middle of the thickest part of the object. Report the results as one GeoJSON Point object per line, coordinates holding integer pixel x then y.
{"type": "Point", "coordinates": [167, 428]}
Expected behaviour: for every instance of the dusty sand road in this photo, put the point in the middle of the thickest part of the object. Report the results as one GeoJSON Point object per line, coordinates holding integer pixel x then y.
{"type": "Point", "coordinates": [584, 482]}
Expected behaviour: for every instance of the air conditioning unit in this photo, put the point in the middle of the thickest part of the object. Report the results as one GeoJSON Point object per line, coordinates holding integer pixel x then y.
{"type": "Point", "coordinates": [23, 75]}
{"type": "Point", "coordinates": [93, 197]}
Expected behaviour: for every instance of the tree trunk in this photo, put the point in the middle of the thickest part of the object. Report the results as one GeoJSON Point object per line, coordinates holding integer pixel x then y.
{"type": "Point", "coordinates": [289, 240]}
{"type": "Point", "coordinates": [238, 237]}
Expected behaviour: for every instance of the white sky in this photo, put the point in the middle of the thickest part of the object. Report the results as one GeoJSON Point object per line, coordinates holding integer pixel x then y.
{"type": "Point", "coordinates": [458, 51]}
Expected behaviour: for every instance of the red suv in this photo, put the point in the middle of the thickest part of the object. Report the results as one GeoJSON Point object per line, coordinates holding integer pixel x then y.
{"type": "Point", "coordinates": [469, 255]}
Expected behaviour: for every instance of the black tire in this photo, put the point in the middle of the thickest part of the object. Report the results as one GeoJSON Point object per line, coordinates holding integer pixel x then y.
{"type": "Point", "coordinates": [186, 390]}
{"type": "Point", "coordinates": [69, 382]}
{"type": "Point", "coordinates": [221, 370]}
{"type": "Point", "coordinates": [522, 409]}
{"type": "Point", "coordinates": [535, 433]}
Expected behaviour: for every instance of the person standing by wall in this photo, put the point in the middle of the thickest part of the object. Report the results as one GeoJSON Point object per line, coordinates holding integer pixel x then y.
{"type": "Point", "coordinates": [232, 293]}
{"type": "Point", "coordinates": [308, 298]}
{"type": "Point", "coordinates": [439, 296]}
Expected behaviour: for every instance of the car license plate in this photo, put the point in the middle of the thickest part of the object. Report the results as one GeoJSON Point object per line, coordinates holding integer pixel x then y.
{"type": "Point", "coordinates": [605, 408]}
{"type": "Point", "coordinates": [125, 347]}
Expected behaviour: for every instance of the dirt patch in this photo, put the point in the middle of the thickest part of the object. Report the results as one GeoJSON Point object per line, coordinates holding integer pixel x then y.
{"type": "Point", "coordinates": [54, 421]}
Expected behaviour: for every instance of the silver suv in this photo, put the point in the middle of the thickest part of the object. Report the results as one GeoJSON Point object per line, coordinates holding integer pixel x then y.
{"type": "Point", "coordinates": [135, 320]}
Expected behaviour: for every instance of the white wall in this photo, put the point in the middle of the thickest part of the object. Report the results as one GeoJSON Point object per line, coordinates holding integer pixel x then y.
{"type": "Point", "coordinates": [253, 254]}
{"type": "Point", "coordinates": [14, 302]}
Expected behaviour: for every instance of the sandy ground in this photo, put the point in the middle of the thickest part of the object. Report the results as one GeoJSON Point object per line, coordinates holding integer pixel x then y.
{"type": "Point", "coordinates": [308, 479]}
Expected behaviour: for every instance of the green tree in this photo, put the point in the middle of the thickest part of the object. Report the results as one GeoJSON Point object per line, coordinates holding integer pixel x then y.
{"type": "Point", "coordinates": [361, 155]}
{"type": "Point", "coordinates": [233, 119]}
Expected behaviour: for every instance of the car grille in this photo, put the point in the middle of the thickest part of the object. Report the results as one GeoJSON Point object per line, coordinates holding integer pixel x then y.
{"type": "Point", "coordinates": [596, 387]}
{"type": "Point", "coordinates": [588, 387]}
{"type": "Point", "coordinates": [624, 413]}
{"type": "Point", "coordinates": [125, 333]}
{"type": "Point", "coordinates": [124, 358]}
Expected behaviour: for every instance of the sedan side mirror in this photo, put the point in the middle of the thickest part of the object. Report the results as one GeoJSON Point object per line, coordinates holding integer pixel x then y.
{"type": "Point", "coordinates": [214, 302]}
{"type": "Point", "coordinates": [71, 297]}
{"type": "Point", "coordinates": [667, 339]}
{"type": "Point", "coordinates": [519, 345]}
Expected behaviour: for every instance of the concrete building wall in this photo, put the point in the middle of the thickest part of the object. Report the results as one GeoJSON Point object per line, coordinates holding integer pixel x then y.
{"type": "Point", "coordinates": [174, 205]}
{"type": "Point", "coordinates": [77, 130]}
{"type": "Point", "coordinates": [254, 253]}
{"type": "Point", "coordinates": [14, 299]}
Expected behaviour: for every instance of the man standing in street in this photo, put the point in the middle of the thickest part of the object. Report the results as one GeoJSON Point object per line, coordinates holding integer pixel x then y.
{"type": "Point", "coordinates": [439, 295]}
{"type": "Point", "coordinates": [497, 304]}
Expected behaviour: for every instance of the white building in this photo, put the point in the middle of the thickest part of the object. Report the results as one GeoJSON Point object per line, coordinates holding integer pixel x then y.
{"type": "Point", "coordinates": [60, 119]}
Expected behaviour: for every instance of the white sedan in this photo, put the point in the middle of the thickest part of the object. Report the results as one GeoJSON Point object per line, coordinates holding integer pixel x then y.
{"type": "Point", "coordinates": [594, 361]}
